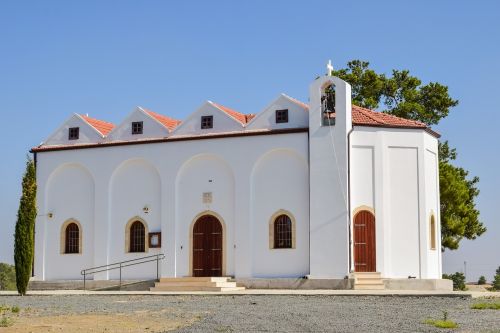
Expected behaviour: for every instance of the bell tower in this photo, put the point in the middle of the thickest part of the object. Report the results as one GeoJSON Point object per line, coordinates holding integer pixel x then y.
{"type": "Point", "coordinates": [330, 122]}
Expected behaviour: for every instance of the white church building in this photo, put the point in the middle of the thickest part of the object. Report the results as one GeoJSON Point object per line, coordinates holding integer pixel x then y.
{"type": "Point", "coordinates": [296, 190]}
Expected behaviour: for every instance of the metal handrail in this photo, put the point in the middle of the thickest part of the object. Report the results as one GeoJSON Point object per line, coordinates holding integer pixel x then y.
{"type": "Point", "coordinates": [123, 264]}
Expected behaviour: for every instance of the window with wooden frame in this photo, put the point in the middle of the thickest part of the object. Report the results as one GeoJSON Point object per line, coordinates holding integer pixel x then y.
{"type": "Point", "coordinates": [137, 127]}
{"type": "Point", "coordinates": [72, 239]}
{"type": "Point", "coordinates": [207, 122]}
{"type": "Point", "coordinates": [283, 232]}
{"type": "Point", "coordinates": [137, 237]}
{"type": "Point", "coordinates": [73, 133]}
{"type": "Point", "coordinates": [282, 116]}
{"type": "Point", "coordinates": [432, 230]}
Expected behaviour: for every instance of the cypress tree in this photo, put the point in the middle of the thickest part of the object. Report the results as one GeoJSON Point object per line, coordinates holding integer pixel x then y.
{"type": "Point", "coordinates": [25, 228]}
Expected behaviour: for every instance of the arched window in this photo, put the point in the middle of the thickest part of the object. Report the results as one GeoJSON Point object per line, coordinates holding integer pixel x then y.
{"type": "Point", "coordinates": [432, 228]}
{"type": "Point", "coordinates": [137, 237]}
{"type": "Point", "coordinates": [72, 238]}
{"type": "Point", "coordinates": [283, 232]}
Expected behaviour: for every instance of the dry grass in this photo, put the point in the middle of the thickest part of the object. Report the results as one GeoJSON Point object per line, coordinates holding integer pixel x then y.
{"type": "Point", "coordinates": [112, 323]}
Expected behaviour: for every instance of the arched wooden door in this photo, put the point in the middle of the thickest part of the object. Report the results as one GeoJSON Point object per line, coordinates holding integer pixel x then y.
{"type": "Point", "coordinates": [207, 246]}
{"type": "Point", "coordinates": [364, 242]}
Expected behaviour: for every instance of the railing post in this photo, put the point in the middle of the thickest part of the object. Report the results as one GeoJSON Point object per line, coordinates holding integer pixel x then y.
{"type": "Point", "coordinates": [120, 276]}
{"type": "Point", "coordinates": [158, 267]}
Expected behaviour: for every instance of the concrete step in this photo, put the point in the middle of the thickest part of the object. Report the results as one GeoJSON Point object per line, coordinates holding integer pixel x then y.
{"type": "Point", "coordinates": [368, 281]}
{"type": "Point", "coordinates": [196, 279]}
{"type": "Point", "coordinates": [195, 288]}
{"type": "Point", "coordinates": [367, 275]}
{"type": "Point", "coordinates": [196, 284]}
{"type": "Point", "coordinates": [369, 286]}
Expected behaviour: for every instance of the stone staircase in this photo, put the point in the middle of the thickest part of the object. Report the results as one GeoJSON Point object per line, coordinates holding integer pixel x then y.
{"type": "Point", "coordinates": [368, 281]}
{"type": "Point", "coordinates": [196, 284]}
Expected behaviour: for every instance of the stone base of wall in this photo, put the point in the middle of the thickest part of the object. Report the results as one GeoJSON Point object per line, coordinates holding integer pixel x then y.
{"type": "Point", "coordinates": [129, 285]}
{"type": "Point", "coordinates": [418, 284]}
{"type": "Point", "coordinates": [294, 283]}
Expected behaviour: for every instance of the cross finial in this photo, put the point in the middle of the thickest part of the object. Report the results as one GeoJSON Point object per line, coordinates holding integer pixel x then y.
{"type": "Point", "coordinates": [329, 68]}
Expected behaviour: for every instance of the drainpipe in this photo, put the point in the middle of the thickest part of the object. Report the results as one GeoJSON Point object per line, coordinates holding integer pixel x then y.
{"type": "Point", "coordinates": [349, 196]}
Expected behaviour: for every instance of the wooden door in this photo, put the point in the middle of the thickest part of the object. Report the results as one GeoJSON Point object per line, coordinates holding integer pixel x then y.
{"type": "Point", "coordinates": [364, 242]}
{"type": "Point", "coordinates": [207, 247]}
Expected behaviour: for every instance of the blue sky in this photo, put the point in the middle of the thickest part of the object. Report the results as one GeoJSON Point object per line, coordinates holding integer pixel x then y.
{"type": "Point", "coordinates": [105, 57]}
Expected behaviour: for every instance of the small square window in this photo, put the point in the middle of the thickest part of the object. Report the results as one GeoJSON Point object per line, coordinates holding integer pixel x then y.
{"type": "Point", "coordinates": [137, 127]}
{"type": "Point", "coordinates": [74, 133]}
{"type": "Point", "coordinates": [207, 122]}
{"type": "Point", "coordinates": [282, 116]}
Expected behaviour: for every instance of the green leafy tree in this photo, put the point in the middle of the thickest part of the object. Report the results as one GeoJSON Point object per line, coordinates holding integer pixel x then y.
{"type": "Point", "coordinates": [458, 280]}
{"type": "Point", "coordinates": [496, 280]}
{"type": "Point", "coordinates": [482, 280]}
{"type": "Point", "coordinates": [404, 95]}
{"type": "Point", "coordinates": [7, 277]}
{"type": "Point", "coordinates": [25, 227]}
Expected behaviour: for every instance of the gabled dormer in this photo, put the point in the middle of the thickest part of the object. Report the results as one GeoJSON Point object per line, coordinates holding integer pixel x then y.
{"type": "Point", "coordinates": [79, 129]}
{"type": "Point", "coordinates": [283, 112]}
{"type": "Point", "coordinates": [212, 118]}
{"type": "Point", "coordinates": [141, 124]}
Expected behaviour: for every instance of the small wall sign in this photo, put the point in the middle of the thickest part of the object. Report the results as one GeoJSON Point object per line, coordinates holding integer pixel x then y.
{"type": "Point", "coordinates": [154, 240]}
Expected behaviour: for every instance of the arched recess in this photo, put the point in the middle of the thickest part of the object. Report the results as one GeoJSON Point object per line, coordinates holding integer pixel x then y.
{"type": "Point", "coordinates": [364, 239]}
{"type": "Point", "coordinates": [69, 197]}
{"type": "Point", "coordinates": [191, 239]}
{"type": "Point", "coordinates": [204, 183]}
{"type": "Point", "coordinates": [279, 183]}
{"type": "Point", "coordinates": [127, 233]}
{"type": "Point", "coordinates": [63, 239]}
{"type": "Point", "coordinates": [135, 191]}
{"type": "Point", "coordinates": [272, 222]}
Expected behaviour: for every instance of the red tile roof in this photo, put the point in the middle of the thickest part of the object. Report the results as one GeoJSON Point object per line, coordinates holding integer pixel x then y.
{"type": "Point", "coordinates": [366, 117]}
{"type": "Point", "coordinates": [101, 126]}
{"type": "Point", "coordinates": [362, 116]}
{"type": "Point", "coordinates": [242, 118]}
{"type": "Point", "coordinates": [168, 122]}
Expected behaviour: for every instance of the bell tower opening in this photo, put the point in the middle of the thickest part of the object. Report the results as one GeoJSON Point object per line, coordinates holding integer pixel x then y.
{"type": "Point", "coordinates": [328, 105]}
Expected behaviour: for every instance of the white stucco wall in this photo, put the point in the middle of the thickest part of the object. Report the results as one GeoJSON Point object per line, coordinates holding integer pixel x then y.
{"type": "Point", "coordinates": [170, 178]}
{"type": "Point", "coordinates": [394, 172]}
{"type": "Point", "coordinates": [328, 163]}
{"type": "Point", "coordinates": [278, 182]}
{"type": "Point", "coordinates": [70, 196]}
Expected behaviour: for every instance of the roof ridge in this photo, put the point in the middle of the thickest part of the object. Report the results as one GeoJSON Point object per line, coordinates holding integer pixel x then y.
{"type": "Point", "coordinates": [101, 126]}
{"type": "Point", "coordinates": [296, 101]}
{"type": "Point", "coordinates": [166, 121]}
{"type": "Point", "coordinates": [231, 112]}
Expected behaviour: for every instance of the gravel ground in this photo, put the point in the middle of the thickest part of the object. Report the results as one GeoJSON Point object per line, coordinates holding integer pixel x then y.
{"type": "Point", "coordinates": [274, 313]}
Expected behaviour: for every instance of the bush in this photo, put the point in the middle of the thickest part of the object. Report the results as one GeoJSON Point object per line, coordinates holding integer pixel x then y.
{"type": "Point", "coordinates": [496, 280]}
{"type": "Point", "coordinates": [7, 277]}
{"type": "Point", "coordinates": [458, 280]}
{"type": "Point", "coordinates": [482, 280]}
